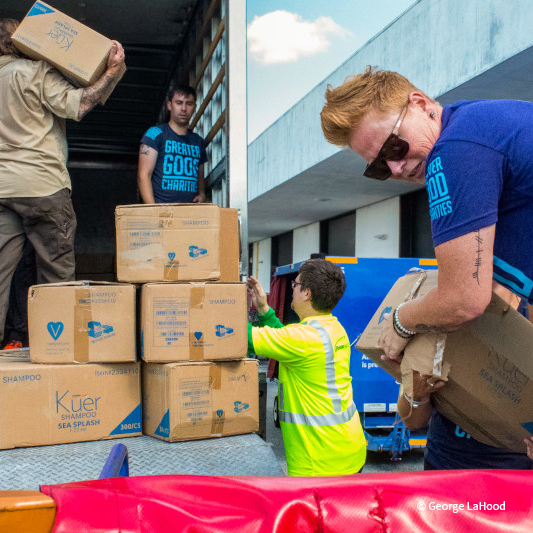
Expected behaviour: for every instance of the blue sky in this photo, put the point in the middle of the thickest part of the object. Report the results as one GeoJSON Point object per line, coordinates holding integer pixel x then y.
{"type": "Point", "coordinates": [294, 44]}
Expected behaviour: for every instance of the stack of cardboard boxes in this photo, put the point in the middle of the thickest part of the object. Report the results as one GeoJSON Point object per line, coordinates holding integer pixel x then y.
{"type": "Point", "coordinates": [54, 399]}
{"type": "Point", "coordinates": [83, 382]}
{"type": "Point", "coordinates": [186, 327]}
{"type": "Point", "coordinates": [197, 382]}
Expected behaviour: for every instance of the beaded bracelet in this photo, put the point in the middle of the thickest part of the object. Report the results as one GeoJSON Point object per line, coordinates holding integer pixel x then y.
{"type": "Point", "coordinates": [396, 321]}
{"type": "Point", "coordinates": [412, 402]}
{"type": "Point", "coordinates": [398, 332]}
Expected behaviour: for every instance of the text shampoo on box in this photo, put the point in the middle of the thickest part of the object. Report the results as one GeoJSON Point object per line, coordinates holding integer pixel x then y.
{"type": "Point", "coordinates": [56, 404]}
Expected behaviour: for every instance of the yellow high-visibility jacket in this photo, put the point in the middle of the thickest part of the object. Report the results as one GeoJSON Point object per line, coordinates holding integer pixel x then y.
{"type": "Point", "coordinates": [320, 425]}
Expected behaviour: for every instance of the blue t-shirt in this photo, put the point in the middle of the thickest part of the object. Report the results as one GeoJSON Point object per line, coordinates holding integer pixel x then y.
{"type": "Point", "coordinates": [449, 448]}
{"type": "Point", "coordinates": [175, 175]}
{"type": "Point", "coordinates": [480, 172]}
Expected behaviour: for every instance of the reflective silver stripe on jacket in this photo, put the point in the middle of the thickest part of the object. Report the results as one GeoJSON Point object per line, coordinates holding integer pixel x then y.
{"type": "Point", "coordinates": [333, 392]}
{"type": "Point", "coordinates": [318, 420]}
{"type": "Point", "coordinates": [338, 416]}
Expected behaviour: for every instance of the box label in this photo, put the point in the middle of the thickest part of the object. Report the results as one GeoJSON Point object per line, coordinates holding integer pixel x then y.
{"type": "Point", "coordinates": [195, 401]}
{"type": "Point", "coordinates": [143, 233]}
{"type": "Point", "coordinates": [171, 322]}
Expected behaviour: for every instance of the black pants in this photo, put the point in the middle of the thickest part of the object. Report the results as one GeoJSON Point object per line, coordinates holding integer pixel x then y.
{"type": "Point", "coordinates": [17, 314]}
{"type": "Point", "coordinates": [49, 223]}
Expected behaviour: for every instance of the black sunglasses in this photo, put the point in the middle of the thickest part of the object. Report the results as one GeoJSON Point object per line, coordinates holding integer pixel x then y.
{"type": "Point", "coordinates": [393, 149]}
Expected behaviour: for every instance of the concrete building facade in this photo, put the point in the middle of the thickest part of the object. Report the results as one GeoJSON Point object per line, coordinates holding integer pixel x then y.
{"type": "Point", "coordinates": [305, 195]}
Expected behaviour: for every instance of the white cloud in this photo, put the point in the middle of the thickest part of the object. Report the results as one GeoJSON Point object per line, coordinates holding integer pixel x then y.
{"type": "Point", "coordinates": [284, 37]}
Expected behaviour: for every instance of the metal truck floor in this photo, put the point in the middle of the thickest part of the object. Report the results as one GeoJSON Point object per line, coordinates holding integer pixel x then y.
{"type": "Point", "coordinates": [241, 455]}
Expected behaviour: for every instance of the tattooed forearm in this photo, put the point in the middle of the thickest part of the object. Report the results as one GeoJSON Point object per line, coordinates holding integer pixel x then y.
{"type": "Point", "coordinates": [91, 95]}
{"type": "Point", "coordinates": [477, 262]}
{"type": "Point", "coordinates": [424, 328]}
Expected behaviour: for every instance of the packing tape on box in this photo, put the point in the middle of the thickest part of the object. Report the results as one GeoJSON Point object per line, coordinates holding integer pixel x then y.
{"type": "Point", "coordinates": [83, 316]}
{"type": "Point", "coordinates": [218, 417]}
{"type": "Point", "coordinates": [171, 270]}
{"type": "Point", "coordinates": [437, 360]}
{"type": "Point", "coordinates": [215, 376]}
{"type": "Point", "coordinates": [197, 302]}
{"type": "Point", "coordinates": [418, 283]}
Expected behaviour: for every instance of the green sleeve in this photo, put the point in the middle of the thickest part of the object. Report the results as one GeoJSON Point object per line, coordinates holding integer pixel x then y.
{"type": "Point", "coordinates": [268, 319]}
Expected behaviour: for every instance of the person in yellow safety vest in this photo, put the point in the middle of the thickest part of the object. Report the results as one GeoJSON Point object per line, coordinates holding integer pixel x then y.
{"type": "Point", "coordinates": [320, 425]}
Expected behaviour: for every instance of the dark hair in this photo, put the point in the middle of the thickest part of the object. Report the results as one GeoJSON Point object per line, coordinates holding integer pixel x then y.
{"type": "Point", "coordinates": [186, 90]}
{"type": "Point", "coordinates": [326, 282]}
{"type": "Point", "coordinates": [7, 28]}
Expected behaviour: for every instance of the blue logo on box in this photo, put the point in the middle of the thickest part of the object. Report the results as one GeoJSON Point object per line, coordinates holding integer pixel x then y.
{"type": "Point", "coordinates": [198, 335]}
{"type": "Point", "coordinates": [55, 329]}
{"type": "Point", "coordinates": [240, 406]}
{"type": "Point", "coordinates": [39, 9]}
{"type": "Point", "coordinates": [97, 329]}
{"type": "Point", "coordinates": [383, 313]}
{"type": "Point", "coordinates": [171, 255]}
{"type": "Point", "coordinates": [195, 251]}
{"type": "Point", "coordinates": [222, 331]}
{"type": "Point", "coordinates": [220, 412]}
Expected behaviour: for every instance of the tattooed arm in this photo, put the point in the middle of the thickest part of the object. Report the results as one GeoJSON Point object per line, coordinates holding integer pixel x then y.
{"type": "Point", "coordinates": [91, 95]}
{"type": "Point", "coordinates": [464, 291]}
{"type": "Point", "coordinates": [147, 161]}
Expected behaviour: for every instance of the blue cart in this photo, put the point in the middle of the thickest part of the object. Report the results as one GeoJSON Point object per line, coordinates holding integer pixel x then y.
{"type": "Point", "coordinates": [368, 280]}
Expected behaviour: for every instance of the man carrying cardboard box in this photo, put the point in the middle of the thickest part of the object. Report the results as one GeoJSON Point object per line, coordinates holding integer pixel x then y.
{"type": "Point", "coordinates": [35, 185]}
{"type": "Point", "coordinates": [319, 421]}
{"type": "Point", "coordinates": [172, 156]}
{"type": "Point", "coordinates": [476, 162]}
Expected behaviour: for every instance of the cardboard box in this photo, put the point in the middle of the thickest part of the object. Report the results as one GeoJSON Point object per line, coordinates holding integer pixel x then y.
{"type": "Point", "coordinates": [193, 321]}
{"type": "Point", "coordinates": [488, 366]}
{"type": "Point", "coordinates": [74, 49]}
{"type": "Point", "coordinates": [188, 401]}
{"type": "Point", "coordinates": [177, 242]}
{"type": "Point", "coordinates": [57, 404]}
{"type": "Point", "coordinates": [82, 322]}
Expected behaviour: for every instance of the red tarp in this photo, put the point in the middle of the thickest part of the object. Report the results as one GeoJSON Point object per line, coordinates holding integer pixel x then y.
{"type": "Point", "coordinates": [276, 300]}
{"type": "Point", "coordinates": [403, 502]}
